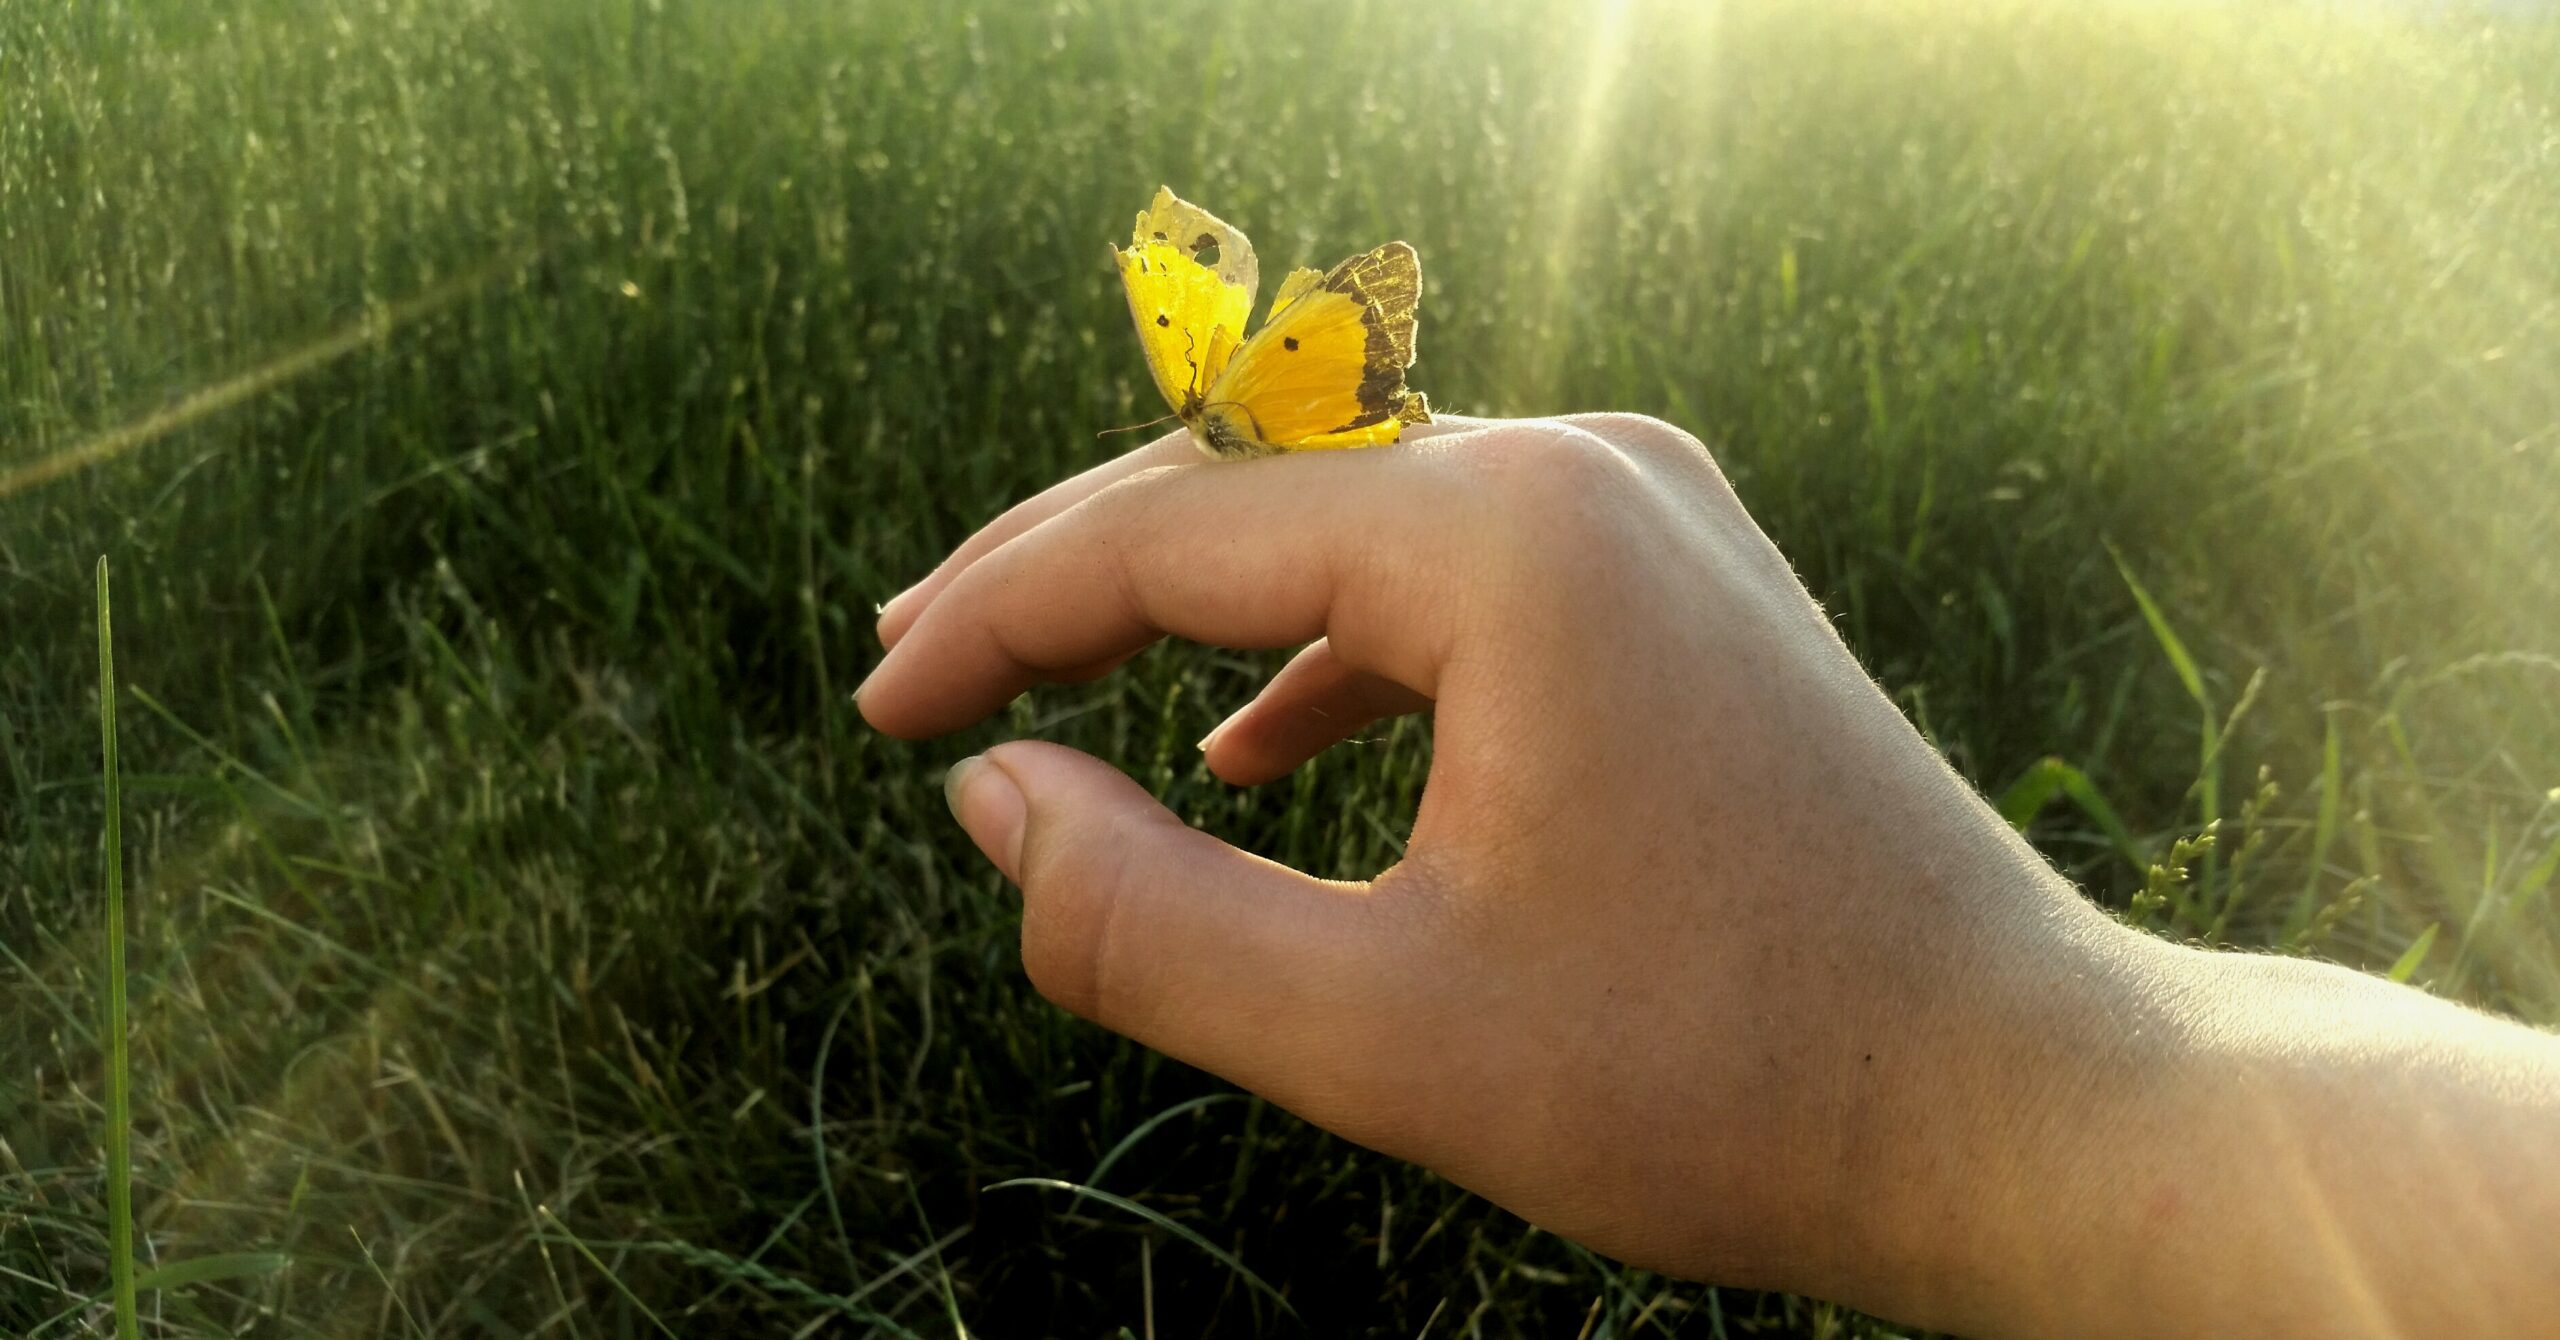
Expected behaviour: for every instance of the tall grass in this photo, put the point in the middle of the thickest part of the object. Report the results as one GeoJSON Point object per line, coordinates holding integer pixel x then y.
{"type": "Point", "coordinates": [505, 417]}
{"type": "Point", "coordinates": [119, 1114]}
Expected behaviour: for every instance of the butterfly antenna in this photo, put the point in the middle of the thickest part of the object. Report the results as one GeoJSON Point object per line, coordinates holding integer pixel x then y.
{"type": "Point", "coordinates": [1135, 427]}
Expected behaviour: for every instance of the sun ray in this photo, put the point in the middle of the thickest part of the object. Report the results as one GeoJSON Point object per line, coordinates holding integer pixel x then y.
{"type": "Point", "coordinates": [1568, 200]}
{"type": "Point", "coordinates": [372, 327]}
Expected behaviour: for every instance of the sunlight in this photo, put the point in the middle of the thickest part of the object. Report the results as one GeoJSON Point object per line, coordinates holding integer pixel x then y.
{"type": "Point", "coordinates": [498, 836]}
{"type": "Point", "coordinates": [1568, 196]}
{"type": "Point", "coordinates": [373, 326]}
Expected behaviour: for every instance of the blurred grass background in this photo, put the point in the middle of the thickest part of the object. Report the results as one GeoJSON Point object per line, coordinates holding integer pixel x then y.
{"type": "Point", "coordinates": [503, 417]}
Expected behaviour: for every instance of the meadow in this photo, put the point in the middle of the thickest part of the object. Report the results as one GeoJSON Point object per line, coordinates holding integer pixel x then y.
{"type": "Point", "coordinates": [501, 420]}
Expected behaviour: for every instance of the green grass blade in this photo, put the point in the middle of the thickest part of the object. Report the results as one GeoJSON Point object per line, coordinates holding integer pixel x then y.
{"type": "Point", "coordinates": [818, 1135]}
{"type": "Point", "coordinates": [119, 1094]}
{"type": "Point", "coordinates": [2170, 643]}
{"type": "Point", "coordinates": [607, 1271]}
{"type": "Point", "coordinates": [1130, 1141]}
{"type": "Point", "coordinates": [2034, 789]}
{"type": "Point", "coordinates": [2538, 876]}
{"type": "Point", "coordinates": [2049, 777]}
{"type": "Point", "coordinates": [2208, 787]}
{"type": "Point", "coordinates": [941, 1270]}
{"type": "Point", "coordinates": [733, 1269]}
{"type": "Point", "coordinates": [2406, 965]}
{"type": "Point", "coordinates": [2324, 833]}
{"type": "Point", "coordinates": [211, 1269]}
{"type": "Point", "coordinates": [1159, 1220]}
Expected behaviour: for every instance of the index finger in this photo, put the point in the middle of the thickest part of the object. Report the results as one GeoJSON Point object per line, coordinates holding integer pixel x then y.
{"type": "Point", "coordinates": [1174, 448]}
{"type": "Point", "coordinates": [897, 616]}
{"type": "Point", "coordinates": [1366, 548]}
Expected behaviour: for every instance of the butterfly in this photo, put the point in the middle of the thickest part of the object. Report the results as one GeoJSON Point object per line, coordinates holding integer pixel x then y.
{"type": "Point", "coordinates": [1326, 369]}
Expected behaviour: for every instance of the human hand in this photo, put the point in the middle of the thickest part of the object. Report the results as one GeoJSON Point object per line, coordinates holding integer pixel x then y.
{"type": "Point", "coordinates": [1677, 854]}
{"type": "Point", "coordinates": [1698, 953]}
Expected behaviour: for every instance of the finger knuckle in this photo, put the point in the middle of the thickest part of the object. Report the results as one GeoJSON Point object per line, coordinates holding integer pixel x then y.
{"type": "Point", "coordinates": [1531, 465]}
{"type": "Point", "coordinates": [1565, 504]}
{"type": "Point", "coordinates": [1646, 438]}
{"type": "Point", "coordinates": [1134, 491]}
{"type": "Point", "coordinates": [1074, 891]}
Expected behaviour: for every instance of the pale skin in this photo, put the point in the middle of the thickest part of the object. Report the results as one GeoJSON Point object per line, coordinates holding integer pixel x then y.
{"type": "Point", "coordinates": [1699, 954]}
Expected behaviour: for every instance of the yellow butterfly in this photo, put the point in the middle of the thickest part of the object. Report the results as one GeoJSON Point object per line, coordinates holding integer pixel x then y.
{"type": "Point", "coordinates": [1326, 370]}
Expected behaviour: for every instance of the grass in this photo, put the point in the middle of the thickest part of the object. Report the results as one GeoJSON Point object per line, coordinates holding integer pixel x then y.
{"type": "Point", "coordinates": [503, 419]}
{"type": "Point", "coordinates": [119, 1114]}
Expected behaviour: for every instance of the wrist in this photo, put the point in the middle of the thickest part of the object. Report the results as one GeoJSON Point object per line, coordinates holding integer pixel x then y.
{"type": "Point", "coordinates": [1995, 1166]}
{"type": "Point", "coordinates": [2157, 1140]}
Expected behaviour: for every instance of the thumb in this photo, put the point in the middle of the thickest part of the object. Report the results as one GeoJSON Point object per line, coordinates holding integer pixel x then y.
{"type": "Point", "coordinates": [1274, 979]}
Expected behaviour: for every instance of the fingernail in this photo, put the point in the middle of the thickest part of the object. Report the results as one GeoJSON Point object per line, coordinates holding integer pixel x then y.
{"type": "Point", "coordinates": [884, 612]}
{"type": "Point", "coordinates": [984, 798]}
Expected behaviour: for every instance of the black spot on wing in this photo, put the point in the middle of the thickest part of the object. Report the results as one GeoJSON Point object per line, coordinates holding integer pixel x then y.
{"type": "Point", "coordinates": [1289, 342]}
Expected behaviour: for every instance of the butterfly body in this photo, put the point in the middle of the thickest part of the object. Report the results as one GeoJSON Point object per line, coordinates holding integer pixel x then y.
{"type": "Point", "coordinates": [1324, 371]}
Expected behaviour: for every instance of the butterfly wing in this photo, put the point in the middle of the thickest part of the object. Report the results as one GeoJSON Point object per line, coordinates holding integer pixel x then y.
{"type": "Point", "coordinates": [1327, 368]}
{"type": "Point", "coordinates": [1190, 279]}
{"type": "Point", "coordinates": [1292, 288]}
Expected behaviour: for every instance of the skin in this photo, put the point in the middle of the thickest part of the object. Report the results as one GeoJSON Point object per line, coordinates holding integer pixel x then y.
{"type": "Point", "coordinates": [1699, 954]}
